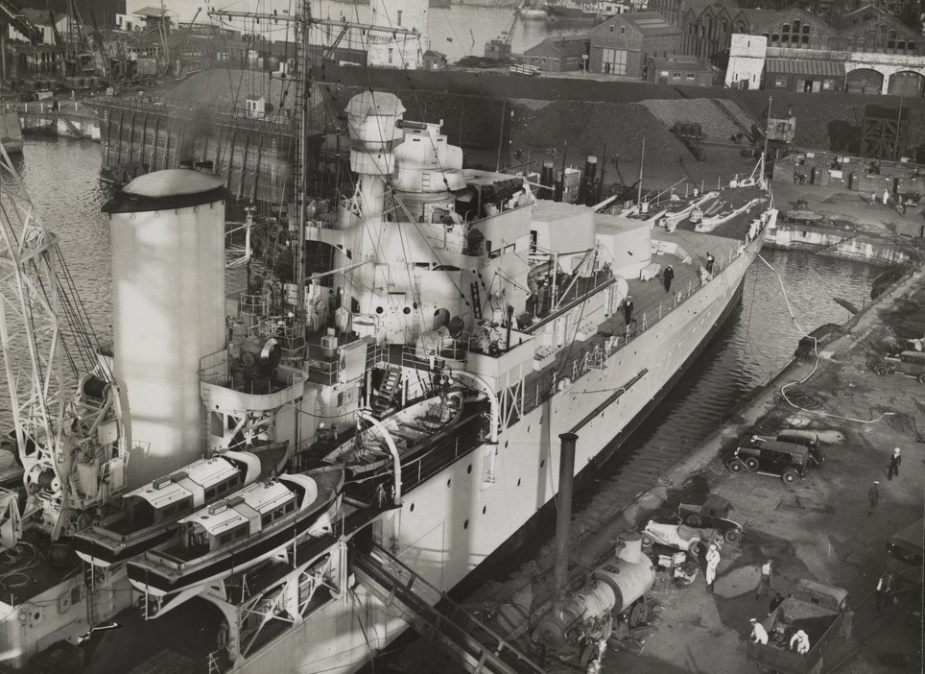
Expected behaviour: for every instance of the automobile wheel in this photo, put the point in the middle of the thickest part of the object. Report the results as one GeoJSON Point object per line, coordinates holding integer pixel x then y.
{"type": "Point", "coordinates": [789, 476]}
{"type": "Point", "coordinates": [731, 536]}
{"type": "Point", "coordinates": [751, 463]}
{"type": "Point", "coordinates": [647, 541]}
{"type": "Point", "coordinates": [696, 548]}
{"type": "Point", "coordinates": [921, 378]}
{"type": "Point", "coordinates": [693, 520]}
{"type": "Point", "coordinates": [881, 370]}
{"type": "Point", "coordinates": [736, 466]}
{"type": "Point", "coordinates": [638, 614]}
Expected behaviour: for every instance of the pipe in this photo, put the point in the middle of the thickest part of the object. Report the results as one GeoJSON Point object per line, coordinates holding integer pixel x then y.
{"type": "Point", "coordinates": [393, 450]}
{"type": "Point", "coordinates": [566, 488]}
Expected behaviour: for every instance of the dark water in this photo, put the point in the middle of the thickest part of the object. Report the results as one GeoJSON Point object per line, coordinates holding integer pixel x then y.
{"type": "Point", "coordinates": [782, 300]}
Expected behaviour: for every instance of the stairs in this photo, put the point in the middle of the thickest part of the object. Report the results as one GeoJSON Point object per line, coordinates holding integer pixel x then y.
{"type": "Point", "coordinates": [386, 392]}
{"type": "Point", "coordinates": [436, 617]}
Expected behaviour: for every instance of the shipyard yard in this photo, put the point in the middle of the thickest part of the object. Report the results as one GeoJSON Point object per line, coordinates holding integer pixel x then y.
{"type": "Point", "coordinates": [327, 351]}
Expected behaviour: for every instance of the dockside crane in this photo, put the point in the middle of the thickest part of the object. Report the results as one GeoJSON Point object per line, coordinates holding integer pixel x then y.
{"type": "Point", "coordinates": [67, 421]}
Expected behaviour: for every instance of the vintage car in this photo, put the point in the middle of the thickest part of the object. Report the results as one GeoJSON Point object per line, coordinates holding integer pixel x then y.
{"type": "Point", "coordinates": [714, 513]}
{"type": "Point", "coordinates": [909, 363]}
{"type": "Point", "coordinates": [788, 460]}
{"type": "Point", "coordinates": [809, 439]}
{"type": "Point", "coordinates": [679, 536]}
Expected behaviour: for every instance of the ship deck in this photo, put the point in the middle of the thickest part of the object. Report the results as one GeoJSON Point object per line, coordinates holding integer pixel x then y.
{"type": "Point", "coordinates": [651, 302]}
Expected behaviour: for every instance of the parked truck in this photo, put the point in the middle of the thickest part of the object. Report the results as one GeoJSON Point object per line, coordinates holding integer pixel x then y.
{"type": "Point", "coordinates": [816, 609]}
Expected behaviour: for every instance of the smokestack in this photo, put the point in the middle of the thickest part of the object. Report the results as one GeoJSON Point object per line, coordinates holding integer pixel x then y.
{"type": "Point", "coordinates": [590, 169]}
{"type": "Point", "coordinates": [564, 499]}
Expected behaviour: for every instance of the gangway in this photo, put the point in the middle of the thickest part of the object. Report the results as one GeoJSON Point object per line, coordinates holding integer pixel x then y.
{"type": "Point", "coordinates": [435, 616]}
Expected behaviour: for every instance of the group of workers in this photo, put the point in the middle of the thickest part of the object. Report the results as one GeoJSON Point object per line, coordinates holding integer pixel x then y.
{"type": "Point", "coordinates": [799, 640]}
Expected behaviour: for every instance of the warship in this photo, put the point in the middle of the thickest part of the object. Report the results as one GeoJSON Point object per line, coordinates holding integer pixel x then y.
{"type": "Point", "coordinates": [439, 331]}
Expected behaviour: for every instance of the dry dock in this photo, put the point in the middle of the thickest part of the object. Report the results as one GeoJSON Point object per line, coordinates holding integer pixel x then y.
{"type": "Point", "coordinates": [818, 528]}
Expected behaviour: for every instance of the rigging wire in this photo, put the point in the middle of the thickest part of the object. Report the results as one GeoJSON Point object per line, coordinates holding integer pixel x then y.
{"type": "Point", "coordinates": [816, 359]}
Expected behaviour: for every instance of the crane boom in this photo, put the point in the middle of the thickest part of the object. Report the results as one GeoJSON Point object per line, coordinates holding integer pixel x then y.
{"type": "Point", "coordinates": [70, 442]}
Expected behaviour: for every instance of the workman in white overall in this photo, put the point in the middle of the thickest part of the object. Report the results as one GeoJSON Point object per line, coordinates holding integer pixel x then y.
{"type": "Point", "coordinates": [799, 642]}
{"type": "Point", "coordinates": [712, 562]}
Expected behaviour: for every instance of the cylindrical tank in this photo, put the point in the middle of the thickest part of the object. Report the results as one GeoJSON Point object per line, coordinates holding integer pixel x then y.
{"type": "Point", "coordinates": [168, 293]}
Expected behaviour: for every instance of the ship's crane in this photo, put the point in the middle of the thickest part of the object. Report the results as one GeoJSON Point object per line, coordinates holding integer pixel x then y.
{"type": "Point", "coordinates": [18, 20]}
{"type": "Point", "coordinates": [71, 443]}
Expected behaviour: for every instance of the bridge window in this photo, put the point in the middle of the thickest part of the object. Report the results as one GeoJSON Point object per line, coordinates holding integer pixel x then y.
{"type": "Point", "coordinates": [786, 29]}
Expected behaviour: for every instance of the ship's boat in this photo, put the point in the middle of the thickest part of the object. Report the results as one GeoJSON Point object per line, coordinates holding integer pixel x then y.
{"type": "Point", "coordinates": [241, 531]}
{"type": "Point", "coordinates": [404, 433]}
{"type": "Point", "coordinates": [150, 514]}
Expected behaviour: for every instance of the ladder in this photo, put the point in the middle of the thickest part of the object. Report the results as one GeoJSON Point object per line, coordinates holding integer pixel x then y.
{"type": "Point", "coordinates": [733, 118]}
{"type": "Point", "coordinates": [476, 300]}
{"type": "Point", "coordinates": [434, 616]}
{"type": "Point", "coordinates": [386, 392]}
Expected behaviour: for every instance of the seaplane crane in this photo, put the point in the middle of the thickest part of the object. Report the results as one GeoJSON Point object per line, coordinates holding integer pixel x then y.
{"type": "Point", "coordinates": [70, 443]}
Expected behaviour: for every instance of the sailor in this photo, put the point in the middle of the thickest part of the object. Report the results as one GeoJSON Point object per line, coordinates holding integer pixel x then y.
{"type": "Point", "coordinates": [710, 262]}
{"type": "Point", "coordinates": [884, 588]}
{"type": "Point", "coordinates": [712, 562]}
{"type": "Point", "coordinates": [799, 642]}
{"type": "Point", "coordinates": [759, 635]}
{"type": "Point", "coordinates": [873, 497]}
{"type": "Point", "coordinates": [764, 583]}
{"type": "Point", "coordinates": [895, 460]}
{"type": "Point", "coordinates": [667, 275]}
{"type": "Point", "coordinates": [628, 309]}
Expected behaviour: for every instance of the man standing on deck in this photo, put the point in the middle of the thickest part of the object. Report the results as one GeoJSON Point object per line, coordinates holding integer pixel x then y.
{"type": "Point", "coordinates": [628, 310]}
{"type": "Point", "coordinates": [710, 262]}
{"type": "Point", "coordinates": [667, 275]}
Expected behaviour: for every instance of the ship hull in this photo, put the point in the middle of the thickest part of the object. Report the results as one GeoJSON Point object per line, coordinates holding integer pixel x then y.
{"type": "Point", "coordinates": [454, 522]}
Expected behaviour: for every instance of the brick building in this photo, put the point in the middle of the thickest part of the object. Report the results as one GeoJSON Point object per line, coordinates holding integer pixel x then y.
{"type": "Point", "coordinates": [558, 55]}
{"type": "Point", "coordinates": [623, 44]}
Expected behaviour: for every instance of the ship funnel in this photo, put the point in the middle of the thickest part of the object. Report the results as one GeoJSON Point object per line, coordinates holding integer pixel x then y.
{"type": "Point", "coordinates": [168, 298]}
{"type": "Point", "coordinates": [564, 501]}
{"type": "Point", "coordinates": [590, 168]}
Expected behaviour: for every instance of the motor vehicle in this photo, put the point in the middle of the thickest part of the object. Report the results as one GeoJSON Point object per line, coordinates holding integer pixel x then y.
{"type": "Point", "coordinates": [797, 436]}
{"type": "Point", "coordinates": [787, 460]}
{"type": "Point", "coordinates": [909, 363]}
{"type": "Point", "coordinates": [713, 513]}
{"type": "Point", "coordinates": [679, 536]}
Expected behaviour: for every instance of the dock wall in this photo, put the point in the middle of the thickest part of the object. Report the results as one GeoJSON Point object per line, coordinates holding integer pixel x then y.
{"type": "Point", "coordinates": [255, 158]}
{"type": "Point", "coordinates": [839, 243]}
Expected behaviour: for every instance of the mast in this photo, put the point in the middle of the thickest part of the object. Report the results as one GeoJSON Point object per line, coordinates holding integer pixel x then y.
{"type": "Point", "coordinates": [301, 186]}
{"type": "Point", "coordinates": [642, 162]}
{"type": "Point", "coordinates": [767, 131]}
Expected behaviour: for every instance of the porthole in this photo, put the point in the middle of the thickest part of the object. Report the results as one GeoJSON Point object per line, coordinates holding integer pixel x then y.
{"type": "Point", "coordinates": [379, 310]}
{"type": "Point", "coordinates": [406, 310]}
{"type": "Point", "coordinates": [529, 428]}
{"type": "Point", "coordinates": [518, 481]}
{"type": "Point", "coordinates": [469, 469]}
{"type": "Point", "coordinates": [411, 509]}
{"type": "Point", "coordinates": [542, 463]}
{"type": "Point", "coordinates": [484, 509]}
{"type": "Point", "coordinates": [466, 524]}
{"type": "Point", "coordinates": [505, 444]}
{"type": "Point", "coordinates": [449, 482]}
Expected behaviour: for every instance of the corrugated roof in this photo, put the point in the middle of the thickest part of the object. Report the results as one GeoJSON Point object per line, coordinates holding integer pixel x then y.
{"type": "Point", "coordinates": [650, 23]}
{"type": "Point", "coordinates": [805, 67]}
